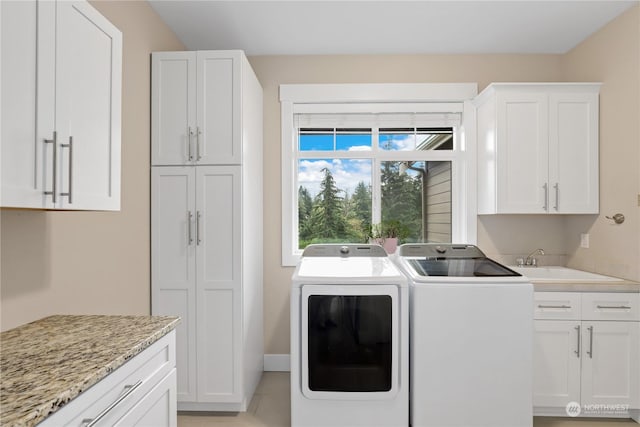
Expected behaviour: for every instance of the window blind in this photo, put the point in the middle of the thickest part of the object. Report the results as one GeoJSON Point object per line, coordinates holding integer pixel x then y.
{"type": "Point", "coordinates": [377, 120]}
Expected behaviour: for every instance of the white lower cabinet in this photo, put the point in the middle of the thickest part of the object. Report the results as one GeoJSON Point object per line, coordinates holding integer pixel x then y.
{"type": "Point", "coordinates": [142, 392]}
{"type": "Point", "coordinates": [610, 362]}
{"type": "Point", "coordinates": [197, 274]}
{"type": "Point", "coordinates": [585, 359]}
{"type": "Point", "coordinates": [556, 364]}
{"type": "Point", "coordinates": [158, 408]}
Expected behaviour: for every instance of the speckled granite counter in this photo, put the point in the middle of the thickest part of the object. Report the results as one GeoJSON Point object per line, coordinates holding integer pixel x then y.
{"type": "Point", "coordinates": [47, 363]}
{"type": "Point", "coordinates": [622, 286]}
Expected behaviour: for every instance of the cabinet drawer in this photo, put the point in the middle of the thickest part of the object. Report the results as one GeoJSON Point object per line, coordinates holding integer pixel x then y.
{"type": "Point", "coordinates": [611, 306]}
{"type": "Point", "coordinates": [556, 305]}
{"type": "Point", "coordinates": [121, 389]}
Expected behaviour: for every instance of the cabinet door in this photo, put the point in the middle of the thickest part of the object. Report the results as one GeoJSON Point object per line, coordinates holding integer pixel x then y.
{"type": "Point", "coordinates": [173, 108]}
{"type": "Point", "coordinates": [522, 152]}
{"type": "Point", "coordinates": [157, 408]}
{"type": "Point", "coordinates": [573, 153]}
{"type": "Point", "coordinates": [556, 363]}
{"type": "Point", "coordinates": [88, 70]}
{"type": "Point", "coordinates": [173, 272]}
{"type": "Point", "coordinates": [610, 371]}
{"type": "Point", "coordinates": [218, 277]}
{"type": "Point", "coordinates": [218, 134]}
{"type": "Point", "coordinates": [23, 152]}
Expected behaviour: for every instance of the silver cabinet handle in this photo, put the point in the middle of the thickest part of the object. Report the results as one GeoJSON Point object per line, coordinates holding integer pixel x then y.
{"type": "Point", "coordinates": [590, 352]}
{"type": "Point", "coordinates": [614, 307]}
{"type": "Point", "coordinates": [577, 350]}
{"type": "Point", "coordinates": [70, 147]}
{"type": "Point", "coordinates": [198, 133]}
{"type": "Point", "coordinates": [54, 188]}
{"type": "Point", "coordinates": [198, 240]}
{"type": "Point", "coordinates": [90, 422]}
{"type": "Point", "coordinates": [189, 236]}
{"type": "Point", "coordinates": [557, 187]}
{"type": "Point", "coordinates": [546, 197]}
{"type": "Point", "coordinates": [553, 306]}
{"type": "Point", "coordinates": [189, 135]}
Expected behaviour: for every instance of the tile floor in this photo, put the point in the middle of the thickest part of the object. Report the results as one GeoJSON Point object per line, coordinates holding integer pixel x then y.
{"type": "Point", "coordinates": [270, 407]}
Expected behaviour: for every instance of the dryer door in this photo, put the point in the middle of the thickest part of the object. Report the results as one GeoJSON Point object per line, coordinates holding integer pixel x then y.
{"type": "Point", "coordinates": [350, 343]}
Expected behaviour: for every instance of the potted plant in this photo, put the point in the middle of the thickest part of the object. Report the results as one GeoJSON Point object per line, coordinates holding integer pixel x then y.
{"type": "Point", "coordinates": [387, 234]}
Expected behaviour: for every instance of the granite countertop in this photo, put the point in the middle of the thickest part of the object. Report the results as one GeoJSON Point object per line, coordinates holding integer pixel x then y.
{"type": "Point", "coordinates": [47, 363]}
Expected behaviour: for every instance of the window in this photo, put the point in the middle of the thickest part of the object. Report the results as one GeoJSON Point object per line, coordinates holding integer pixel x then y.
{"type": "Point", "coordinates": [351, 166]}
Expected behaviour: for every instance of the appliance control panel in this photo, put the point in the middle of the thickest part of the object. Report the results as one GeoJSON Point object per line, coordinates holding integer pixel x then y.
{"type": "Point", "coordinates": [344, 250]}
{"type": "Point", "coordinates": [440, 250]}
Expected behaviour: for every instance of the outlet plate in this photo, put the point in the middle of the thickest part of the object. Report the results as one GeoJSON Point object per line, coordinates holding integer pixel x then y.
{"type": "Point", "coordinates": [584, 240]}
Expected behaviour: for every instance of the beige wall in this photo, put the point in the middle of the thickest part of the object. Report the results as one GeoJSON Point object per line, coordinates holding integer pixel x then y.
{"type": "Point", "coordinates": [275, 70]}
{"type": "Point", "coordinates": [93, 262]}
{"type": "Point", "coordinates": [502, 236]}
{"type": "Point", "coordinates": [612, 56]}
{"type": "Point", "coordinates": [99, 262]}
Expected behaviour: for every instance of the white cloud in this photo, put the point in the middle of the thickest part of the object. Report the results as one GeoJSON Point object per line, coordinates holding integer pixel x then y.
{"type": "Point", "coordinates": [360, 148]}
{"type": "Point", "coordinates": [404, 142]}
{"type": "Point", "coordinates": [346, 172]}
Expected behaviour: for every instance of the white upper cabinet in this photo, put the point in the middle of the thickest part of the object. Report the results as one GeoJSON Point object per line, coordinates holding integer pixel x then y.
{"type": "Point", "coordinates": [22, 186]}
{"type": "Point", "coordinates": [61, 149]}
{"type": "Point", "coordinates": [196, 108]}
{"type": "Point", "coordinates": [88, 107]}
{"type": "Point", "coordinates": [538, 148]}
{"type": "Point", "coordinates": [173, 107]}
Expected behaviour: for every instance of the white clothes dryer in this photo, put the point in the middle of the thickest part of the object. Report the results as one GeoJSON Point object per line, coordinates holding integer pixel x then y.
{"type": "Point", "coordinates": [349, 339]}
{"type": "Point", "coordinates": [471, 338]}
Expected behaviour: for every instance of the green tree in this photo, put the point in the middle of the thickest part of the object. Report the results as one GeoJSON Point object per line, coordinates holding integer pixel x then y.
{"type": "Point", "coordinates": [327, 220]}
{"type": "Point", "coordinates": [401, 198]}
{"type": "Point", "coordinates": [305, 207]}
{"type": "Point", "coordinates": [361, 203]}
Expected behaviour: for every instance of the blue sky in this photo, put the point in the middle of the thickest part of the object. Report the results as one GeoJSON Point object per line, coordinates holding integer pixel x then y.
{"type": "Point", "coordinates": [344, 142]}
{"type": "Point", "coordinates": [346, 172]}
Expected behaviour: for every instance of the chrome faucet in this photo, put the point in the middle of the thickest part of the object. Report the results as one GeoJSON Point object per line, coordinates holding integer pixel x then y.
{"type": "Point", "coordinates": [531, 260]}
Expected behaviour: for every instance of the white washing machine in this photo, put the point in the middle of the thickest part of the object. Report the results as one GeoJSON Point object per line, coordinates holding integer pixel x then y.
{"type": "Point", "coordinates": [471, 338]}
{"type": "Point", "coordinates": [349, 339]}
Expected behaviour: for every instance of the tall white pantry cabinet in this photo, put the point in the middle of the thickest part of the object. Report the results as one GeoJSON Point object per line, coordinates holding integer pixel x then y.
{"type": "Point", "coordinates": [206, 222]}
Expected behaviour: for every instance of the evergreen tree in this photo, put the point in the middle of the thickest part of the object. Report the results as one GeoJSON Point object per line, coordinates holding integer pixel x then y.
{"type": "Point", "coordinates": [361, 202]}
{"type": "Point", "coordinates": [327, 220]}
{"type": "Point", "coordinates": [305, 207]}
{"type": "Point", "coordinates": [401, 198]}
{"type": "Point", "coordinates": [328, 217]}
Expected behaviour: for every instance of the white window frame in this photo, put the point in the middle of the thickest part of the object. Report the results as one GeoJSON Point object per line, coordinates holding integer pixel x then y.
{"type": "Point", "coordinates": [382, 98]}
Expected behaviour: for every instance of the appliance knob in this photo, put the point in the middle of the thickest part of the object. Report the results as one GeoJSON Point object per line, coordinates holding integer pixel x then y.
{"type": "Point", "coordinates": [440, 249]}
{"type": "Point", "coordinates": [344, 250]}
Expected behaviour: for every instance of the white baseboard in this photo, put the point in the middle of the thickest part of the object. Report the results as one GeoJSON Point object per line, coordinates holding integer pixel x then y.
{"type": "Point", "coordinates": [277, 362]}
